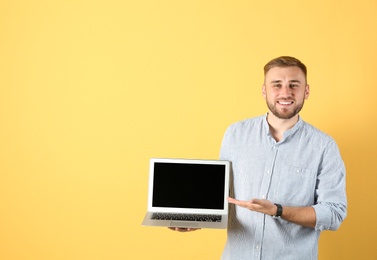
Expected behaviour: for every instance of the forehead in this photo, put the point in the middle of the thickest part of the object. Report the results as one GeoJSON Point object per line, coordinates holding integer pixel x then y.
{"type": "Point", "coordinates": [285, 74]}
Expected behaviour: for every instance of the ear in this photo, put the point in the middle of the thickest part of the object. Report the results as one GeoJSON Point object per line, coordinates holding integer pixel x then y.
{"type": "Point", "coordinates": [307, 91]}
{"type": "Point", "coordinates": [264, 91]}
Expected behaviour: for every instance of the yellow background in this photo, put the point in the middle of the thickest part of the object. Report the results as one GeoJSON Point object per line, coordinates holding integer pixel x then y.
{"type": "Point", "coordinates": [90, 90]}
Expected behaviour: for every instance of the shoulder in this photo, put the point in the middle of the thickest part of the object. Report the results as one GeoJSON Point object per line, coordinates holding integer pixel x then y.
{"type": "Point", "coordinates": [247, 124]}
{"type": "Point", "coordinates": [243, 130]}
{"type": "Point", "coordinates": [238, 135]}
{"type": "Point", "coordinates": [317, 135]}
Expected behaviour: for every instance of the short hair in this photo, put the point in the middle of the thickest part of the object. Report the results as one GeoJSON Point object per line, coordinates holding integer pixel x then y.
{"type": "Point", "coordinates": [285, 61]}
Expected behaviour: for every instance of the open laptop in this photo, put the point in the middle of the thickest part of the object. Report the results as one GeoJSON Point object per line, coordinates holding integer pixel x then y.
{"type": "Point", "coordinates": [188, 193]}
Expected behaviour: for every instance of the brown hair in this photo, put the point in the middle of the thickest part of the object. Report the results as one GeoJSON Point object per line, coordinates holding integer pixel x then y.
{"type": "Point", "coordinates": [285, 61]}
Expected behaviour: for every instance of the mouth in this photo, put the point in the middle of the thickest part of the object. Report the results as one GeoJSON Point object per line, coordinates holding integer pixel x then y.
{"type": "Point", "coordinates": [285, 102]}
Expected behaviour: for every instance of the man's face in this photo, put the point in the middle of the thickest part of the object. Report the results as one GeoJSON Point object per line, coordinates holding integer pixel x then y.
{"type": "Point", "coordinates": [285, 91]}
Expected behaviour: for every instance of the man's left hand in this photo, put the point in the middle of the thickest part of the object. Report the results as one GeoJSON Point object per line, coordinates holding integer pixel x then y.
{"type": "Point", "coordinates": [260, 205]}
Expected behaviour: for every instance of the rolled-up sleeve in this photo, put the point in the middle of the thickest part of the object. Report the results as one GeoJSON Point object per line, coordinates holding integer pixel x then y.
{"type": "Point", "coordinates": [331, 199]}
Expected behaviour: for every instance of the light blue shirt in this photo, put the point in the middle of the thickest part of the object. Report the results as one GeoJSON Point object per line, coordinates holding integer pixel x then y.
{"type": "Point", "coordinates": [303, 169]}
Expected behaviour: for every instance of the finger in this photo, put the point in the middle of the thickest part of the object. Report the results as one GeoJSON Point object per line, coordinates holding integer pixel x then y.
{"type": "Point", "coordinates": [262, 202]}
{"type": "Point", "coordinates": [176, 229]}
{"type": "Point", "coordinates": [183, 229]}
{"type": "Point", "coordinates": [235, 201]}
{"type": "Point", "coordinates": [231, 200]}
{"type": "Point", "coordinates": [193, 229]}
{"type": "Point", "coordinates": [240, 203]}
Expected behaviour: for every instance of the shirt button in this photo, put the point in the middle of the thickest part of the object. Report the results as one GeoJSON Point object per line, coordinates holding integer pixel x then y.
{"type": "Point", "coordinates": [257, 247]}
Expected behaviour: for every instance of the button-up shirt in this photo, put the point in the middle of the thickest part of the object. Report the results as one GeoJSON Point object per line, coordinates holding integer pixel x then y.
{"type": "Point", "coordinates": [303, 169]}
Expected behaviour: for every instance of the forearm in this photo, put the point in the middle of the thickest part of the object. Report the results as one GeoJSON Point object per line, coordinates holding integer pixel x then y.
{"type": "Point", "coordinates": [303, 216]}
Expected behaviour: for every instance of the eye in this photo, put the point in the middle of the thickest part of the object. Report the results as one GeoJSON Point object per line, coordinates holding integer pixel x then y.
{"type": "Point", "coordinates": [293, 85]}
{"type": "Point", "coordinates": [277, 85]}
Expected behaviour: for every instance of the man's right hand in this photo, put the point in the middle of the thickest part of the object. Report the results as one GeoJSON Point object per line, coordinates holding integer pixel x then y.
{"type": "Point", "coordinates": [183, 229]}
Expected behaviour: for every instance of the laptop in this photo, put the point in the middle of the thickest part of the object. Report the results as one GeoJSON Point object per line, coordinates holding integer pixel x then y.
{"type": "Point", "coordinates": [188, 193]}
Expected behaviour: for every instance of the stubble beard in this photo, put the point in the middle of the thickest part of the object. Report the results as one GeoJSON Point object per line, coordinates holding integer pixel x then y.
{"type": "Point", "coordinates": [285, 114]}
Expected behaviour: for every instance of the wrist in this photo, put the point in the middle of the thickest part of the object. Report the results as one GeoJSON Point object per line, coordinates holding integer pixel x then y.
{"type": "Point", "coordinates": [279, 211]}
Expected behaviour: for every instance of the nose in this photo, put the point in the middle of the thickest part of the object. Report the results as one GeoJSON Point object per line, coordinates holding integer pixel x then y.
{"type": "Point", "coordinates": [285, 91]}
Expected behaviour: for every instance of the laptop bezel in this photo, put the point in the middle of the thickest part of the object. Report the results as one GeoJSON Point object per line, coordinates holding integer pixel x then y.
{"type": "Point", "coordinates": [151, 208]}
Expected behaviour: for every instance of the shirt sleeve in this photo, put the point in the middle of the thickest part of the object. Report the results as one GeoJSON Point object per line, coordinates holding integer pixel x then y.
{"type": "Point", "coordinates": [331, 205]}
{"type": "Point", "coordinates": [224, 150]}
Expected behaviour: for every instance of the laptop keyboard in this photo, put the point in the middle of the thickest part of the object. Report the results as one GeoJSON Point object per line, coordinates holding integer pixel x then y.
{"type": "Point", "coordinates": [186, 217]}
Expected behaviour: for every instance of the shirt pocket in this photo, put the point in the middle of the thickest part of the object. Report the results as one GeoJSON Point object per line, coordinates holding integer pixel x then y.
{"type": "Point", "coordinates": [296, 186]}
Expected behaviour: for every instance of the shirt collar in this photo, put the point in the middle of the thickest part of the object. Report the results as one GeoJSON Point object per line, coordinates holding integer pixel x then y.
{"type": "Point", "coordinates": [294, 129]}
{"type": "Point", "coordinates": [287, 133]}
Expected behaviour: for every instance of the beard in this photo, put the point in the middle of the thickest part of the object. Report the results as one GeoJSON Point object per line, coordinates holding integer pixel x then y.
{"type": "Point", "coordinates": [285, 113]}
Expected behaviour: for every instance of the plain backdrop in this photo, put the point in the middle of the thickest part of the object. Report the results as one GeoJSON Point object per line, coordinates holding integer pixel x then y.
{"type": "Point", "coordinates": [91, 90]}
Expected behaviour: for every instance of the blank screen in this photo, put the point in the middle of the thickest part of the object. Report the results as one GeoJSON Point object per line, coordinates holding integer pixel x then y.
{"type": "Point", "coordinates": [188, 185]}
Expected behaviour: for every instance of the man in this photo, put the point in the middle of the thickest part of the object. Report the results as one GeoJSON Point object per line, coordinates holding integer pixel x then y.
{"type": "Point", "coordinates": [288, 177]}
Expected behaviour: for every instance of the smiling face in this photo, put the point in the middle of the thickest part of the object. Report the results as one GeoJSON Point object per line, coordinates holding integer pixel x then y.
{"type": "Point", "coordinates": [285, 90]}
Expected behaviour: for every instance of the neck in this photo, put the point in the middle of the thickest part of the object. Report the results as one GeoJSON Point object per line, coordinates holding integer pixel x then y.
{"type": "Point", "coordinates": [278, 126]}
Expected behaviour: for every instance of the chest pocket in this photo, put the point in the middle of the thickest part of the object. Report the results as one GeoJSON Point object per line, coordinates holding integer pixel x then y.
{"type": "Point", "coordinates": [296, 186]}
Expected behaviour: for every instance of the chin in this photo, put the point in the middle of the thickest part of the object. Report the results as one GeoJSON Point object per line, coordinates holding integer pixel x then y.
{"type": "Point", "coordinates": [286, 116]}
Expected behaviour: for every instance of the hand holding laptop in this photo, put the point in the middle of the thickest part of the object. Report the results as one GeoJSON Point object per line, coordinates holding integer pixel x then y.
{"type": "Point", "coordinates": [183, 229]}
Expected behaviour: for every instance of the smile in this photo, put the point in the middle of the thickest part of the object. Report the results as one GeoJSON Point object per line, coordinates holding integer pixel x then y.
{"type": "Point", "coordinates": [285, 102]}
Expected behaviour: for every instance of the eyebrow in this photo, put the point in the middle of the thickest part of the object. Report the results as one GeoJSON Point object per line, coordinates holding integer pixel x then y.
{"type": "Point", "coordinates": [291, 81]}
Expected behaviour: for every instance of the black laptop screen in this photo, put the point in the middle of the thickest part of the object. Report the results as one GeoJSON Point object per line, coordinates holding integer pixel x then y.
{"type": "Point", "coordinates": [188, 185]}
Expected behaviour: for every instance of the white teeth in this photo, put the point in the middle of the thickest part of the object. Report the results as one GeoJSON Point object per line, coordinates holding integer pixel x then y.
{"type": "Point", "coordinates": [285, 103]}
